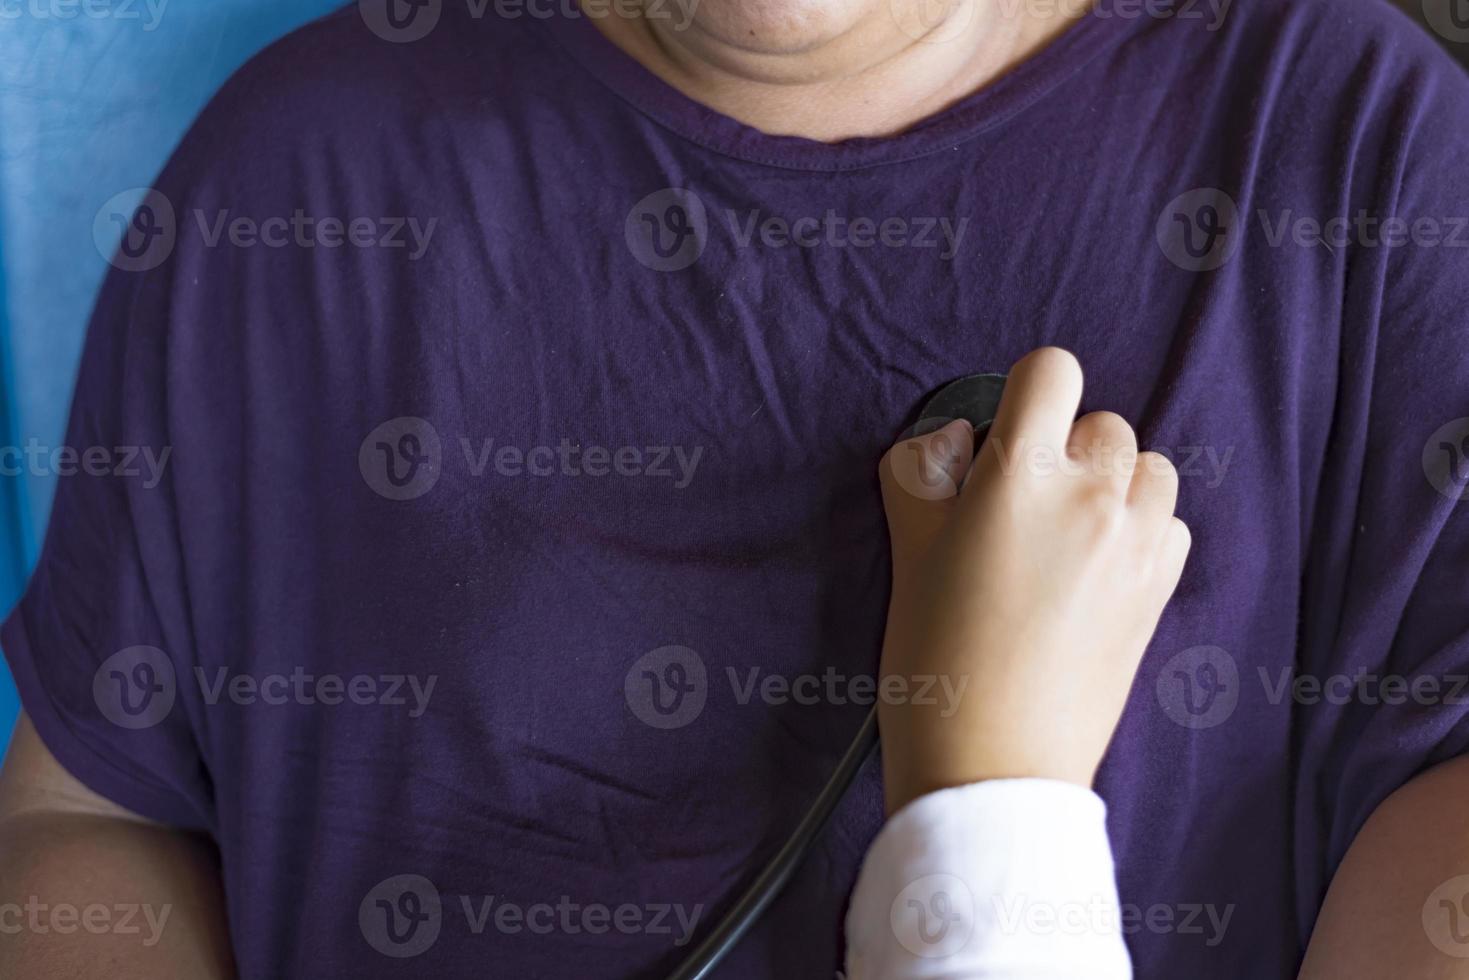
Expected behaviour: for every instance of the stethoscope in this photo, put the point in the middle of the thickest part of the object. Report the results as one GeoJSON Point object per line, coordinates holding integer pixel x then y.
{"type": "Point", "coordinates": [976, 398]}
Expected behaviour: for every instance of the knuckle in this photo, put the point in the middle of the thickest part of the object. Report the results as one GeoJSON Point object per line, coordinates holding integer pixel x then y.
{"type": "Point", "coordinates": [1157, 468]}
{"type": "Point", "coordinates": [1104, 444]}
{"type": "Point", "coordinates": [1158, 465]}
{"type": "Point", "coordinates": [1169, 556]}
{"type": "Point", "coordinates": [1107, 428]}
{"type": "Point", "coordinates": [1179, 534]}
{"type": "Point", "coordinates": [1112, 427]}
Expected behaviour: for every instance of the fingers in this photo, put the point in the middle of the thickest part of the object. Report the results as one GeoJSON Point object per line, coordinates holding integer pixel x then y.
{"type": "Point", "coordinates": [1153, 496]}
{"type": "Point", "coordinates": [1039, 402]}
{"type": "Point", "coordinates": [1104, 447]}
{"type": "Point", "coordinates": [1100, 448]}
{"type": "Point", "coordinates": [1154, 485]}
{"type": "Point", "coordinates": [921, 477]}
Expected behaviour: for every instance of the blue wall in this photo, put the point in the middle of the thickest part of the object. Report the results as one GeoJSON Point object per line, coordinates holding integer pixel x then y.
{"type": "Point", "coordinates": [91, 104]}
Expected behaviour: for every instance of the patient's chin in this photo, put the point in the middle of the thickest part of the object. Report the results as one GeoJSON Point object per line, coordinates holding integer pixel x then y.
{"type": "Point", "coordinates": [782, 26]}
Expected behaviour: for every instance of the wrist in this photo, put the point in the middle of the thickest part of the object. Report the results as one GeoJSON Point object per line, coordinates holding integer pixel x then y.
{"type": "Point", "coordinates": [906, 778]}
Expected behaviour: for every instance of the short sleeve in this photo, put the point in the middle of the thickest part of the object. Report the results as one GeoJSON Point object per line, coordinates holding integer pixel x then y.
{"type": "Point", "coordinates": [1381, 689]}
{"type": "Point", "coordinates": [100, 643]}
{"type": "Point", "coordinates": [200, 456]}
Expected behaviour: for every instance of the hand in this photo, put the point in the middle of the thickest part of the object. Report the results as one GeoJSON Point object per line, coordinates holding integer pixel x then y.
{"type": "Point", "coordinates": [1036, 587]}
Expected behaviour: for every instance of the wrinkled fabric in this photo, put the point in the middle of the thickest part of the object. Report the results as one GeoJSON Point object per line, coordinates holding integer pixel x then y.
{"type": "Point", "coordinates": [523, 571]}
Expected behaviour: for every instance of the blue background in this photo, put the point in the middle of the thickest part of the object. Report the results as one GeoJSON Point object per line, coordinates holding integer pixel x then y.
{"type": "Point", "coordinates": [90, 106]}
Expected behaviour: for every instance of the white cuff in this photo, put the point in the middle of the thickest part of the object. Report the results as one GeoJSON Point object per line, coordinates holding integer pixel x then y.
{"type": "Point", "coordinates": [1007, 878]}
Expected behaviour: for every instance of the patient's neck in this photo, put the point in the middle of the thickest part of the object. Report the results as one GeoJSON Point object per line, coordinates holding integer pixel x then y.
{"type": "Point", "coordinates": [832, 69]}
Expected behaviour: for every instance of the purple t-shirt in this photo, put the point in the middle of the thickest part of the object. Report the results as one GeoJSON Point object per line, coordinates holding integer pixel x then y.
{"type": "Point", "coordinates": [516, 571]}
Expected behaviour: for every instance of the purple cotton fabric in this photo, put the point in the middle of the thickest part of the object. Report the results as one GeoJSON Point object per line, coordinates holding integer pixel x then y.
{"type": "Point", "coordinates": [590, 298]}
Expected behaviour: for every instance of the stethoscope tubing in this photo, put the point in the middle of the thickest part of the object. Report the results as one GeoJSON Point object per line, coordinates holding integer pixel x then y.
{"type": "Point", "coordinates": [763, 890]}
{"type": "Point", "coordinates": [976, 398]}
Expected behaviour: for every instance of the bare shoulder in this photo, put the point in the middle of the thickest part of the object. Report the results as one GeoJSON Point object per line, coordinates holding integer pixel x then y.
{"type": "Point", "coordinates": [33, 783]}
{"type": "Point", "coordinates": [1395, 905]}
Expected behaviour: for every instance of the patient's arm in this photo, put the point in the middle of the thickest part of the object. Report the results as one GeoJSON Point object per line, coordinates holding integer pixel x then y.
{"type": "Point", "coordinates": [88, 889]}
{"type": "Point", "coordinates": [1373, 924]}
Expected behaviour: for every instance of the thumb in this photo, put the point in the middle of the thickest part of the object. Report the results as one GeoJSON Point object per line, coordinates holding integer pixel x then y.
{"type": "Point", "coordinates": [920, 479]}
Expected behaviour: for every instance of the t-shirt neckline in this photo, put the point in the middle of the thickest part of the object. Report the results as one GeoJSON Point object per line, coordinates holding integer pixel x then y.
{"type": "Point", "coordinates": [989, 106]}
